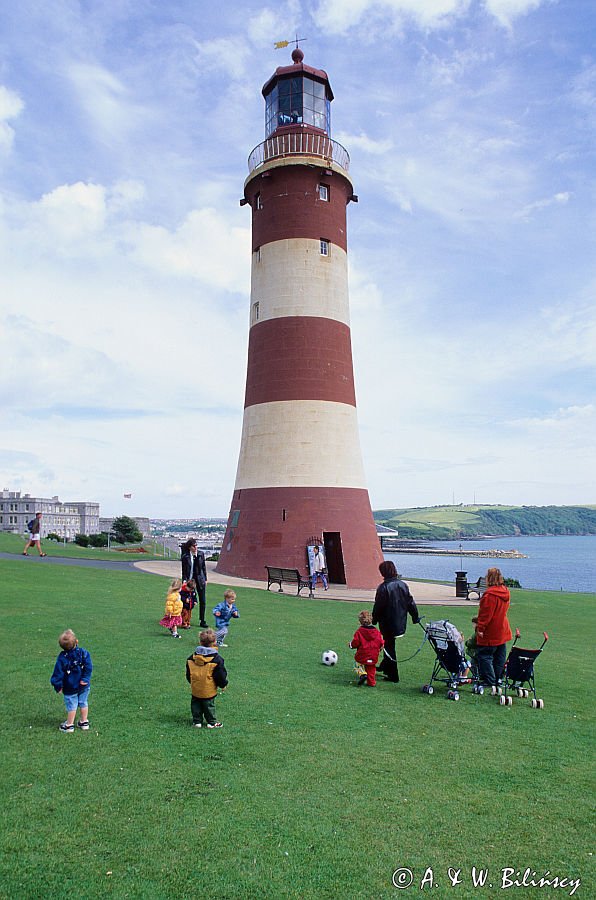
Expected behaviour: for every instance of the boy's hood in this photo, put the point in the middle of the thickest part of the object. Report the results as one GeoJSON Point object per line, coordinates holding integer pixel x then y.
{"type": "Point", "coordinates": [205, 651]}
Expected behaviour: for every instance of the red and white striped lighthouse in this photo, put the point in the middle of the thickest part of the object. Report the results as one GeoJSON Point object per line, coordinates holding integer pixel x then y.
{"type": "Point", "coordinates": [300, 472]}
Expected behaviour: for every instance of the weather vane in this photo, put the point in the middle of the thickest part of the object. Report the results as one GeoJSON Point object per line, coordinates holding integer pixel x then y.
{"type": "Point", "coordinates": [279, 44]}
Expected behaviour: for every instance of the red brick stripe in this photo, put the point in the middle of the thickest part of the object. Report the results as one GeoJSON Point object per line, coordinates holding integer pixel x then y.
{"type": "Point", "coordinates": [267, 536]}
{"type": "Point", "coordinates": [299, 358]}
{"type": "Point", "coordinates": [291, 207]}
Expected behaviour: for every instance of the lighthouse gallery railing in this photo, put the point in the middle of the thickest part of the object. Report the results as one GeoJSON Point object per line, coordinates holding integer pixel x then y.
{"type": "Point", "coordinates": [296, 144]}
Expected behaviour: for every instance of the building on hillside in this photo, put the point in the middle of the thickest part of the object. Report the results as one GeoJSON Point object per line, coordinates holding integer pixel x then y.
{"type": "Point", "coordinates": [66, 519]}
{"type": "Point", "coordinates": [142, 522]}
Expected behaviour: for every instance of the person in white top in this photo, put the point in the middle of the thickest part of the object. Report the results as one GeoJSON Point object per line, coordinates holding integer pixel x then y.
{"type": "Point", "coordinates": [319, 569]}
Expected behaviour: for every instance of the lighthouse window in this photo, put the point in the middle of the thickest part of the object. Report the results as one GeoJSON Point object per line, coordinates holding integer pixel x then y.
{"type": "Point", "coordinates": [323, 192]}
{"type": "Point", "coordinates": [258, 201]}
{"type": "Point", "coordinates": [324, 247]}
{"type": "Point", "coordinates": [255, 312]}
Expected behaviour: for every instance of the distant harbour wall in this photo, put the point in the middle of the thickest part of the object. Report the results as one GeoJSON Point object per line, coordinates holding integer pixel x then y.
{"type": "Point", "coordinates": [432, 551]}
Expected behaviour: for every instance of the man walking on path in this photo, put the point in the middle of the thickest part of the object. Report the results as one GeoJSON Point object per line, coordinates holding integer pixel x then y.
{"type": "Point", "coordinates": [34, 535]}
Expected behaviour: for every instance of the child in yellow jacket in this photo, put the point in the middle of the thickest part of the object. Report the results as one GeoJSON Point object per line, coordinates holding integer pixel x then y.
{"type": "Point", "coordinates": [172, 616]}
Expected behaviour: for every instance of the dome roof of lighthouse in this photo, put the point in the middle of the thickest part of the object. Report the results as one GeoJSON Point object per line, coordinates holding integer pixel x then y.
{"type": "Point", "coordinates": [297, 68]}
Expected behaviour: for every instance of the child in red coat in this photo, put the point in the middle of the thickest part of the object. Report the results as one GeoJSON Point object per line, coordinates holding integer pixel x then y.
{"type": "Point", "coordinates": [367, 642]}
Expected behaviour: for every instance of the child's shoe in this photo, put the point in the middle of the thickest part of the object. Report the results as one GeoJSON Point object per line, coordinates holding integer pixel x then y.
{"type": "Point", "coordinates": [222, 645]}
{"type": "Point", "coordinates": [66, 727]}
{"type": "Point", "coordinates": [175, 635]}
{"type": "Point", "coordinates": [198, 724]}
{"type": "Point", "coordinates": [215, 725]}
{"type": "Point", "coordinates": [84, 726]}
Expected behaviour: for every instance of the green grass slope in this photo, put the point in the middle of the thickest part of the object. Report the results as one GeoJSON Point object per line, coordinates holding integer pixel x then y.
{"type": "Point", "coordinates": [454, 522]}
{"type": "Point", "coordinates": [14, 543]}
{"type": "Point", "coordinates": [313, 789]}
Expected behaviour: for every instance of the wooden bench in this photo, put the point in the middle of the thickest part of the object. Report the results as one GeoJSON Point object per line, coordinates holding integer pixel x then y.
{"type": "Point", "coordinates": [478, 588]}
{"type": "Point", "coordinates": [278, 576]}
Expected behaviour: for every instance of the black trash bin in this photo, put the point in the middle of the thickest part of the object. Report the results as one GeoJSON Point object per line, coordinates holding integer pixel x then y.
{"type": "Point", "coordinates": [461, 584]}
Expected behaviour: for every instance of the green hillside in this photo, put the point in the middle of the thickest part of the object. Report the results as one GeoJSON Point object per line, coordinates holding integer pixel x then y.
{"type": "Point", "coordinates": [455, 522]}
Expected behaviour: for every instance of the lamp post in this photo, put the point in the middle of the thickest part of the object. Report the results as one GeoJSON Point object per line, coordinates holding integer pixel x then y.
{"type": "Point", "coordinates": [461, 579]}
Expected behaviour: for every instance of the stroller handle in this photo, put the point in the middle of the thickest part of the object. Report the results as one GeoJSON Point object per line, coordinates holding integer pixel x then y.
{"type": "Point", "coordinates": [517, 634]}
{"type": "Point", "coordinates": [545, 636]}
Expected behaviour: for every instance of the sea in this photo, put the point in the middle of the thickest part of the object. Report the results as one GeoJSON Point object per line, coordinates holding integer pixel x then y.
{"type": "Point", "coordinates": [554, 563]}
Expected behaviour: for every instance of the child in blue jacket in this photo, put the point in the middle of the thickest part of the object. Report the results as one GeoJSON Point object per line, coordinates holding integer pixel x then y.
{"type": "Point", "coordinates": [224, 612]}
{"type": "Point", "coordinates": [71, 678]}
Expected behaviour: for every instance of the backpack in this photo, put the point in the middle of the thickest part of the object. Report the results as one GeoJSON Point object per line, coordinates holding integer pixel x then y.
{"type": "Point", "coordinates": [31, 524]}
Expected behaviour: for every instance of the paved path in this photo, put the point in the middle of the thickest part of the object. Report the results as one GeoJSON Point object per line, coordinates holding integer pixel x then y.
{"type": "Point", "coordinates": [425, 593]}
{"type": "Point", "coordinates": [118, 565]}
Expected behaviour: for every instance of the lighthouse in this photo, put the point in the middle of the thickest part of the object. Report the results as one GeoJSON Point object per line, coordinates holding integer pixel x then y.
{"type": "Point", "coordinates": [300, 478]}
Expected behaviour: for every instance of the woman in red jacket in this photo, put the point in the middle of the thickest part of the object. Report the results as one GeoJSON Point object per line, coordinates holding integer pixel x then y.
{"type": "Point", "coordinates": [492, 628]}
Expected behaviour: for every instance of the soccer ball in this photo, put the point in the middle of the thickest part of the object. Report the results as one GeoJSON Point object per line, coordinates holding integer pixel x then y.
{"type": "Point", "coordinates": [329, 657]}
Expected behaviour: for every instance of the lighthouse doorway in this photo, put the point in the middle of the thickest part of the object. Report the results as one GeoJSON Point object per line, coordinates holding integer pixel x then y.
{"type": "Point", "coordinates": [334, 557]}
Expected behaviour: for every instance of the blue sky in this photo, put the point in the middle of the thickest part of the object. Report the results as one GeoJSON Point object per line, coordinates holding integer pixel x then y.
{"type": "Point", "coordinates": [125, 256]}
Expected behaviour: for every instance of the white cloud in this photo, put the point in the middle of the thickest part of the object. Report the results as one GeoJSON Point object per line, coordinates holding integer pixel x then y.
{"type": "Point", "coordinates": [230, 55]}
{"type": "Point", "coordinates": [562, 418]}
{"type": "Point", "coordinates": [338, 16]}
{"type": "Point", "coordinates": [363, 142]}
{"type": "Point", "coordinates": [204, 247]}
{"type": "Point", "coordinates": [106, 101]}
{"type": "Point", "coordinates": [72, 211]}
{"type": "Point", "coordinates": [559, 199]}
{"type": "Point", "coordinates": [275, 24]}
{"type": "Point", "coordinates": [11, 106]}
{"type": "Point", "coordinates": [508, 10]}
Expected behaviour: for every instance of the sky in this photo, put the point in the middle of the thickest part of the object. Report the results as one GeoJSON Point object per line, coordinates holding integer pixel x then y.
{"type": "Point", "coordinates": [125, 129]}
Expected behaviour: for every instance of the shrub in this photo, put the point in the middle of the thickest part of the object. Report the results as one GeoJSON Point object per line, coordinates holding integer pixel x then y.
{"type": "Point", "coordinates": [98, 540]}
{"type": "Point", "coordinates": [52, 536]}
{"type": "Point", "coordinates": [82, 540]}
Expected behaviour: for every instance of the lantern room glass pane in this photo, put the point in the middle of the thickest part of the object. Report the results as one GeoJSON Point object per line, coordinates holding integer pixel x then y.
{"type": "Point", "coordinates": [297, 100]}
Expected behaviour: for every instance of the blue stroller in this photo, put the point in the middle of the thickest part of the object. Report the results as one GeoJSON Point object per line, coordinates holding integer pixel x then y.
{"type": "Point", "coordinates": [451, 666]}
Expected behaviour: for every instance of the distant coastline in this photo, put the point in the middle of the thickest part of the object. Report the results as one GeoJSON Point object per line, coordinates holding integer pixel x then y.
{"type": "Point", "coordinates": [485, 522]}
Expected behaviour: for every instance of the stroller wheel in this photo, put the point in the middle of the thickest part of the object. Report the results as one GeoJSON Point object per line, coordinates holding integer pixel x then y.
{"type": "Point", "coordinates": [480, 690]}
{"type": "Point", "coordinates": [526, 693]}
{"type": "Point", "coordinates": [455, 695]}
{"type": "Point", "coordinates": [509, 701]}
{"type": "Point", "coordinates": [534, 703]}
{"type": "Point", "coordinates": [430, 689]}
{"type": "Point", "coordinates": [502, 700]}
{"type": "Point", "coordinates": [540, 704]}
{"type": "Point", "coordinates": [521, 692]}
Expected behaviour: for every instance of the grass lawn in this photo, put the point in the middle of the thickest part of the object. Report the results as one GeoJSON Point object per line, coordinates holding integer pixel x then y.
{"type": "Point", "coordinates": [14, 543]}
{"type": "Point", "coordinates": [314, 788]}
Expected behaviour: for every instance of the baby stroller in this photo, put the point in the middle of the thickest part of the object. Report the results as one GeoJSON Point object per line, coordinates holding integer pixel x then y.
{"type": "Point", "coordinates": [451, 666]}
{"type": "Point", "coordinates": [519, 670]}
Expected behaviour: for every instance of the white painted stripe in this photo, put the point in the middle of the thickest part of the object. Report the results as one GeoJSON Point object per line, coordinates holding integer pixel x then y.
{"type": "Point", "coordinates": [300, 443]}
{"type": "Point", "coordinates": [292, 278]}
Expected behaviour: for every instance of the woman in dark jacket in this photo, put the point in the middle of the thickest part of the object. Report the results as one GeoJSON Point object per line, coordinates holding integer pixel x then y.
{"type": "Point", "coordinates": [393, 602]}
{"type": "Point", "coordinates": [193, 566]}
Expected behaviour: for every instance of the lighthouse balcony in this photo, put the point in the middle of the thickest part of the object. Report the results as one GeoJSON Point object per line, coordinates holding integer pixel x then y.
{"type": "Point", "coordinates": [299, 143]}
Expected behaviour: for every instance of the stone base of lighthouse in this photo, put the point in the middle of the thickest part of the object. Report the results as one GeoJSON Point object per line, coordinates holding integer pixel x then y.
{"type": "Point", "coordinates": [271, 527]}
